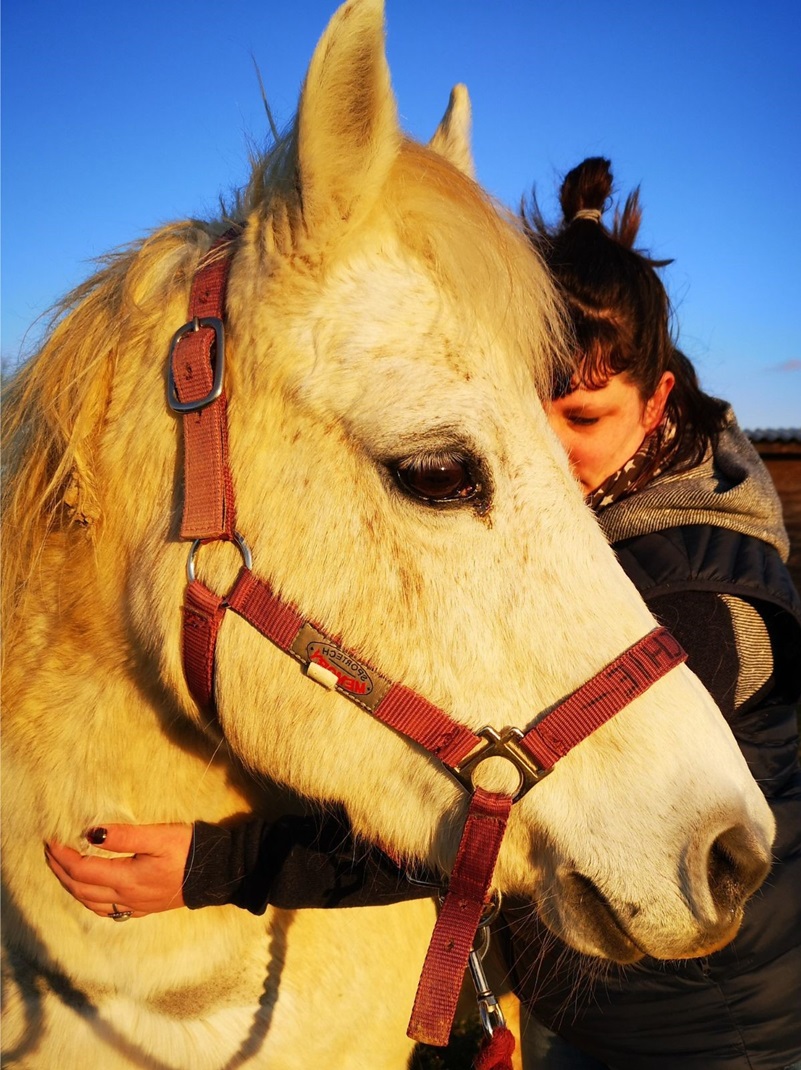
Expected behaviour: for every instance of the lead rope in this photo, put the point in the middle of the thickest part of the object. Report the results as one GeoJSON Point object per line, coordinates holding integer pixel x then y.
{"type": "Point", "coordinates": [496, 1050]}
{"type": "Point", "coordinates": [196, 390]}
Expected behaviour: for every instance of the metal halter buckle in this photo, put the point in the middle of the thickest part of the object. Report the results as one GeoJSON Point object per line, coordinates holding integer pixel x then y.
{"type": "Point", "coordinates": [195, 324]}
{"type": "Point", "coordinates": [503, 744]}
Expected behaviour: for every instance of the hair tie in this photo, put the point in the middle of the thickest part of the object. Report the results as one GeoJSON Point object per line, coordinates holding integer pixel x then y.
{"type": "Point", "coordinates": [588, 213]}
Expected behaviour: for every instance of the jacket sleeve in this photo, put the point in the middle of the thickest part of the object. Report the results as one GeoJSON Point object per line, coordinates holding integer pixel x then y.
{"type": "Point", "coordinates": [292, 863]}
{"type": "Point", "coordinates": [703, 624]}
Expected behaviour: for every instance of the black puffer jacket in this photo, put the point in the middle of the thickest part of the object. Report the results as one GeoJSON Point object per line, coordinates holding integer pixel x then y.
{"type": "Point", "coordinates": [739, 1009]}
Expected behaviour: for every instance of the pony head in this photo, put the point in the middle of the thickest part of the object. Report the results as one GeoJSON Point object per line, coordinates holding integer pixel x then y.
{"type": "Point", "coordinates": [389, 336]}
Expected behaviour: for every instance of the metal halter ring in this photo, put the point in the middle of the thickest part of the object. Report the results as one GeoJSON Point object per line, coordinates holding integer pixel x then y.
{"type": "Point", "coordinates": [503, 744]}
{"type": "Point", "coordinates": [491, 911]}
{"type": "Point", "coordinates": [244, 549]}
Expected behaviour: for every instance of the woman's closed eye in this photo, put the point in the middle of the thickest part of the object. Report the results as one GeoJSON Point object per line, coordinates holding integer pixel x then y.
{"type": "Point", "coordinates": [577, 420]}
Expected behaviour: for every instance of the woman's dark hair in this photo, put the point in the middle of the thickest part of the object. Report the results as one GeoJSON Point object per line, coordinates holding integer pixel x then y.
{"type": "Point", "coordinates": [619, 308]}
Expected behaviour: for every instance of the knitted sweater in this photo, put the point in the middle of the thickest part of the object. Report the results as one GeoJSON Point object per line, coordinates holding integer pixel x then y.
{"type": "Point", "coordinates": [731, 489]}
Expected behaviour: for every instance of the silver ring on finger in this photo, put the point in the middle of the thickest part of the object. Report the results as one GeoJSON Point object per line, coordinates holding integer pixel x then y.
{"type": "Point", "coordinates": [120, 915]}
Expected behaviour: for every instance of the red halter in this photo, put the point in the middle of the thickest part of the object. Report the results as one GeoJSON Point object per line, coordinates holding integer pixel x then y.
{"type": "Point", "coordinates": [196, 389]}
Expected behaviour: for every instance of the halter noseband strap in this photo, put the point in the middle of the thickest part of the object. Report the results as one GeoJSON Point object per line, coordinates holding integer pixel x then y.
{"type": "Point", "coordinates": [196, 390]}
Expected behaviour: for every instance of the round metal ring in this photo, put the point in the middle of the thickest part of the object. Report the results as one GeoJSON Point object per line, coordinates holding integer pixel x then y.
{"type": "Point", "coordinates": [244, 550]}
{"type": "Point", "coordinates": [491, 912]}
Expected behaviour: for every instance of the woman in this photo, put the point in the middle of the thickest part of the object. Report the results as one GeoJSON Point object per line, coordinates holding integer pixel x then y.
{"type": "Point", "coordinates": [696, 523]}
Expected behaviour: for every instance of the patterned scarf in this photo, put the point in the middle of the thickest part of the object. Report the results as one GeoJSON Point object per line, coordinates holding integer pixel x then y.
{"type": "Point", "coordinates": [638, 470]}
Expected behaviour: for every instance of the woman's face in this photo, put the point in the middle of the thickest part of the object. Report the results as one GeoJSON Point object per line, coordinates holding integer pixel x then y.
{"type": "Point", "coordinates": [601, 429]}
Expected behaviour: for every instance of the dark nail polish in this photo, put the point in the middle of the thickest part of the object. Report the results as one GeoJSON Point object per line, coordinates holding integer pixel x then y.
{"type": "Point", "coordinates": [96, 836]}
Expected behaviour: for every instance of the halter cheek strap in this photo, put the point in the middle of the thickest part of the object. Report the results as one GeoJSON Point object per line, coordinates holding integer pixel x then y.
{"type": "Point", "coordinates": [196, 391]}
{"type": "Point", "coordinates": [460, 749]}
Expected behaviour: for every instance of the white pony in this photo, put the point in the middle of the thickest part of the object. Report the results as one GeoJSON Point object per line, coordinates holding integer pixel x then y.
{"type": "Point", "coordinates": [384, 322]}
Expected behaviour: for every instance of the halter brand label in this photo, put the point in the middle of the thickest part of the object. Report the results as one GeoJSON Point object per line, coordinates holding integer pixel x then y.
{"type": "Point", "coordinates": [352, 676]}
{"type": "Point", "coordinates": [362, 684]}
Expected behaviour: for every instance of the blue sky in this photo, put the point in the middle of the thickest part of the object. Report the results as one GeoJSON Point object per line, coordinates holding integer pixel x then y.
{"type": "Point", "coordinates": [121, 116]}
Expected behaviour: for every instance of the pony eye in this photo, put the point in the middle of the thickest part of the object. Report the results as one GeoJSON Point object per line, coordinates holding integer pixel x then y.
{"type": "Point", "coordinates": [438, 478]}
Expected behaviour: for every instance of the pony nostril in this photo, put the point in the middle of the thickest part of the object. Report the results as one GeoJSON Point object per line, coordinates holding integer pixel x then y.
{"type": "Point", "coordinates": [737, 866]}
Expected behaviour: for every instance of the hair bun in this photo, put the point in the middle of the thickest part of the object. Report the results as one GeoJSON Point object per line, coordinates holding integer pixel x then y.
{"type": "Point", "coordinates": [586, 189]}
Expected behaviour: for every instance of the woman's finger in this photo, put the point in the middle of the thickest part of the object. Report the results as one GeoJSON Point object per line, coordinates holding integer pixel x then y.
{"type": "Point", "coordinates": [88, 869]}
{"type": "Point", "coordinates": [139, 839]}
{"type": "Point", "coordinates": [104, 902]}
{"type": "Point", "coordinates": [88, 894]}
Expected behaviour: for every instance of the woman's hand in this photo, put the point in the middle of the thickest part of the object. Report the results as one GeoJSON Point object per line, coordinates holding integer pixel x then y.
{"type": "Point", "coordinates": [149, 881]}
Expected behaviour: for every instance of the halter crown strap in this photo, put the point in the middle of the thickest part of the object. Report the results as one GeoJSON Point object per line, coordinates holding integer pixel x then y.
{"type": "Point", "coordinates": [197, 365]}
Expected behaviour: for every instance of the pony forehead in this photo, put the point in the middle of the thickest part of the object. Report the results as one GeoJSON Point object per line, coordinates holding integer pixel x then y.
{"type": "Point", "coordinates": [471, 249]}
{"type": "Point", "coordinates": [425, 200]}
{"type": "Point", "coordinates": [438, 219]}
{"type": "Point", "coordinates": [432, 204]}
{"type": "Point", "coordinates": [476, 251]}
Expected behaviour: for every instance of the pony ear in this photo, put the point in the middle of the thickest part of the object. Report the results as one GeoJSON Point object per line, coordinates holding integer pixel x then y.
{"type": "Point", "coordinates": [347, 128]}
{"type": "Point", "coordinates": [452, 137]}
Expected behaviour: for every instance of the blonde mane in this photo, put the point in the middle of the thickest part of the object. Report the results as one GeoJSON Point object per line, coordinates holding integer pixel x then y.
{"type": "Point", "coordinates": [55, 403]}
